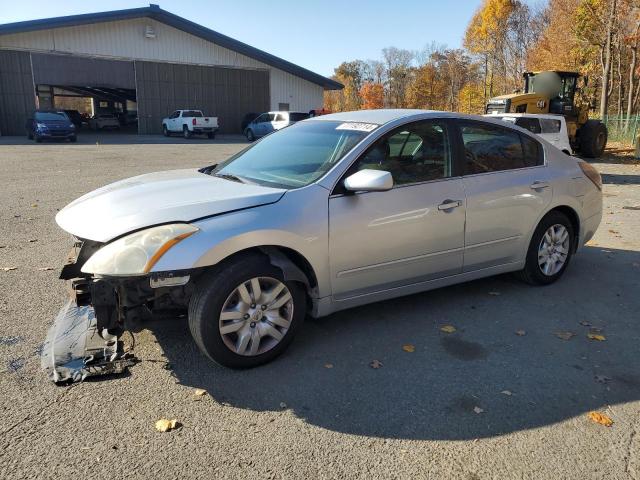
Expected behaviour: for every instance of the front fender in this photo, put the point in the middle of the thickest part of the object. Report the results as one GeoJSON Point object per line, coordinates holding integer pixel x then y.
{"type": "Point", "coordinates": [299, 221]}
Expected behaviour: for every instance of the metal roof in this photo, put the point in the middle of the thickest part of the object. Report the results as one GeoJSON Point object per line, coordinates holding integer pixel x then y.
{"type": "Point", "coordinates": [156, 13]}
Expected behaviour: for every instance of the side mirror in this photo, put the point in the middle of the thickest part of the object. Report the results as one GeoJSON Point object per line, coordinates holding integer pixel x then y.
{"type": "Point", "coordinates": [369, 181]}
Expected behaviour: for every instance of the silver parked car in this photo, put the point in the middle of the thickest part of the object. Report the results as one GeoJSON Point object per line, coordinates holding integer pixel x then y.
{"type": "Point", "coordinates": [333, 212]}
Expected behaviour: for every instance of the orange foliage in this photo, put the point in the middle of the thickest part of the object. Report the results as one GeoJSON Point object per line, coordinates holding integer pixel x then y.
{"type": "Point", "coordinates": [372, 95]}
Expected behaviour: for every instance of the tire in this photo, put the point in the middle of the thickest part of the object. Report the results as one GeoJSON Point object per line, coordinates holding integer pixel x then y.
{"type": "Point", "coordinates": [165, 131]}
{"type": "Point", "coordinates": [38, 139]}
{"type": "Point", "coordinates": [533, 271]}
{"type": "Point", "coordinates": [211, 135]}
{"type": "Point", "coordinates": [185, 132]}
{"type": "Point", "coordinates": [593, 139]}
{"type": "Point", "coordinates": [30, 135]}
{"type": "Point", "coordinates": [212, 294]}
{"type": "Point", "coordinates": [250, 136]}
{"type": "Point", "coordinates": [73, 139]}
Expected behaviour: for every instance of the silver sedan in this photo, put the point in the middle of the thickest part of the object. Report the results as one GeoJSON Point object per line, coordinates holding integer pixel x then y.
{"type": "Point", "coordinates": [330, 213]}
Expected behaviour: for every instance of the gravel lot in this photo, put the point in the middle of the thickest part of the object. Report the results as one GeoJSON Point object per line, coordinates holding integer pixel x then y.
{"type": "Point", "coordinates": [320, 411]}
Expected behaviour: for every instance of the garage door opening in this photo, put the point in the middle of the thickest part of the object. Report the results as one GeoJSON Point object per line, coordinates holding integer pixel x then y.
{"type": "Point", "coordinates": [98, 94]}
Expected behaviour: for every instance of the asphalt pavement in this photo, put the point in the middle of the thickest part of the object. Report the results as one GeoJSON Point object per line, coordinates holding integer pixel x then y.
{"type": "Point", "coordinates": [501, 397]}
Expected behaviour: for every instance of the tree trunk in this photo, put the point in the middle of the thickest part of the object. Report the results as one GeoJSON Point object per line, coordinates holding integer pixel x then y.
{"type": "Point", "coordinates": [606, 67]}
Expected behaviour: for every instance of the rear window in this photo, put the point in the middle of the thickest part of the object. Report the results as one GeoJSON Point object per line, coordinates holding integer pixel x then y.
{"type": "Point", "coordinates": [297, 116]}
{"type": "Point", "coordinates": [192, 113]}
{"type": "Point", "coordinates": [531, 124]}
{"type": "Point", "coordinates": [51, 116]}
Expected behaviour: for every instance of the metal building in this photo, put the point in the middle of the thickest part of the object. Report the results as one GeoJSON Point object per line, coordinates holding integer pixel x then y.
{"type": "Point", "coordinates": [147, 59]}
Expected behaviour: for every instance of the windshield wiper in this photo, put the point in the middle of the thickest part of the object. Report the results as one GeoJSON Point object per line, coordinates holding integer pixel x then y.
{"type": "Point", "coordinates": [229, 176]}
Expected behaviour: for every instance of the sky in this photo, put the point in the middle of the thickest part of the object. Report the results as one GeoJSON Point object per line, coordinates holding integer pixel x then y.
{"type": "Point", "coordinates": [317, 35]}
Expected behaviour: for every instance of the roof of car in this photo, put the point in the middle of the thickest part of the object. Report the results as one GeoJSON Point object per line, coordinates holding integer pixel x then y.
{"type": "Point", "coordinates": [380, 116]}
{"type": "Point", "coordinates": [526, 115]}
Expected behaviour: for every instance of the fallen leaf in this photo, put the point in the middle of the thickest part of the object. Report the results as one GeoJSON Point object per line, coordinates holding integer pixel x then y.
{"type": "Point", "coordinates": [375, 364]}
{"type": "Point", "coordinates": [564, 335]}
{"type": "Point", "coordinates": [478, 410]}
{"type": "Point", "coordinates": [614, 231]}
{"type": "Point", "coordinates": [33, 240]}
{"type": "Point", "coordinates": [602, 378]}
{"type": "Point", "coordinates": [631, 208]}
{"type": "Point", "coordinates": [8, 269]}
{"type": "Point", "coordinates": [328, 365]}
{"type": "Point", "coordinates": [495, 294]}
{"type": "Point", "coordinates": [199, 392]}
{"type": "Point", "coordinates": [34, 205]}
{"type": "Point", "coordinates": [283, 405]}
{"type": "Point", "coordinates": [409, 348]}
{"type": "Point", "coordinates": [447, 328]}
{"type": "Point", "coordinates": [600, 418]}
{"type": "Point", "coordinates": [164, 425]}
{"type": "Point", "coordinates": [596, 336]}
{"type": "Point", "coordinates": [506, 392]}
{"type": "Point", "coordinates": [584, 323]}
{"type": "Point", "coordinates": [44, 269]}
{"type": "Point", "coordinates": [520, 333]}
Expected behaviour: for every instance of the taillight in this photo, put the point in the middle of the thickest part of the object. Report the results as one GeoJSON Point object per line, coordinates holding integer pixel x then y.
{"type": "Point", "coordinates": [591, 173]}
{"type": "Point", "coordinates": [193, 122]}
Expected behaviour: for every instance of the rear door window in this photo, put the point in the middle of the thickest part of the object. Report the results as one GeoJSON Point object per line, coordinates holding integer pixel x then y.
{"type": "Point", "coordinates": [490, 148]}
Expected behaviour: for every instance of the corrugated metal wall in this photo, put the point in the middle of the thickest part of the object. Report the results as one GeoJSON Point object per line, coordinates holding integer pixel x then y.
{"type": "Point", "coordinates": [125, 39]}
{"type": "Point", "coordinates": [223, 92]}
{"type": "Point", "coordinates": [17, 95]}
{"type": "Point", "coordinates": [79, 71]}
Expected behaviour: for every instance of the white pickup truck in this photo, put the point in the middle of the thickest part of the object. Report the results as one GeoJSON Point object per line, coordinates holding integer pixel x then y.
{"type": "Point", "coordinates": [188, 123]}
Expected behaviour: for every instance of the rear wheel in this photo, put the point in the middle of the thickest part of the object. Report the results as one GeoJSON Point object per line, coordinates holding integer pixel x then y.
{"type": "Point", "coordinates": [245, 313]}
{"type": "Point", "coordinates": [185, 132]}
{"type": "Point", "coordinates": [593, 138]}
{"type": "Point", "coordinates": [211, 135]}
{"type": "Point", "coordinates": [550, 250]}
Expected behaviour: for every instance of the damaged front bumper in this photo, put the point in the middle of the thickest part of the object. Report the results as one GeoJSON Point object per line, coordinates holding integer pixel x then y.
{"type": "Point", "coordinates": [84, 339]}
{"type": "Point", "coordinates": [75, 350]}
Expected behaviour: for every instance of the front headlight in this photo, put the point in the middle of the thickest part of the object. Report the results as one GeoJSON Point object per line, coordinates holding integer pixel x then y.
{"type": "Point", "coordinates": [41, 126]}
{"type": "Point", "coordinates": [136, 254]}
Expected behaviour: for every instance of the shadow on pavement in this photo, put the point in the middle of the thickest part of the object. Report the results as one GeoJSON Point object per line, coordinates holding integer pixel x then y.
{"type": "Point", "coordinates": [111, 137]}
{"type": "Point", "coordinates": [620, 179]}
{"type": "Point", "coordinates": [432, 392]}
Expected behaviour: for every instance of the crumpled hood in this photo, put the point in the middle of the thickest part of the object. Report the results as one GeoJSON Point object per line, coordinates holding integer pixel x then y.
{"type": "Point", "coordinates": [155, 198]}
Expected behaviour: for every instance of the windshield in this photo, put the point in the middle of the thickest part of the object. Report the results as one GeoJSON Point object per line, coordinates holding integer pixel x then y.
{"type": "Point", "coordinates": [51, 116]}
{"type": "Point", "coordinates": [295, 156]}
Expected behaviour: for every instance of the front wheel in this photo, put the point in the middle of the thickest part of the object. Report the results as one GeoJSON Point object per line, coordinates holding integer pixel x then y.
{"type": "Point", "coordinates": [550, 250]}
{"type": "Point", "coordinates": [245, 314]}
{"type": "Point", "coordinates": [250, 136]}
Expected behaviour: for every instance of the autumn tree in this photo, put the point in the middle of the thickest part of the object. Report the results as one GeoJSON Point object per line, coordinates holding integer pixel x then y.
{"type": "Point", "coordinates": [372, 95]}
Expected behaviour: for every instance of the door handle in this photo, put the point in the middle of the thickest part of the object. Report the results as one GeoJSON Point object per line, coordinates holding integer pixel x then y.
{"type": "Point", "coordinates": [538, 185]}
{"type": "Point", "coordinates": [449, 204]}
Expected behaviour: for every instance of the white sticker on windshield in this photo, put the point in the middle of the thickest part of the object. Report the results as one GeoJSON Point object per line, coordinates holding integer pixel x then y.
{"type": "Point", "coordinates": [361, 127]}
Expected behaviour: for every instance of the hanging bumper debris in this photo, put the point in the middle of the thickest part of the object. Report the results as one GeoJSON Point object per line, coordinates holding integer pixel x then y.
{"type": "Point", "coordinates": [75, 349]}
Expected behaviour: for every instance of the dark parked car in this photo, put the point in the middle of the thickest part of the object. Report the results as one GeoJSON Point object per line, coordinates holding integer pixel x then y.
{"type": "Point", "coordinates": [45, 124]}
{"type": "Point", "coordinates": [75, 117]}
